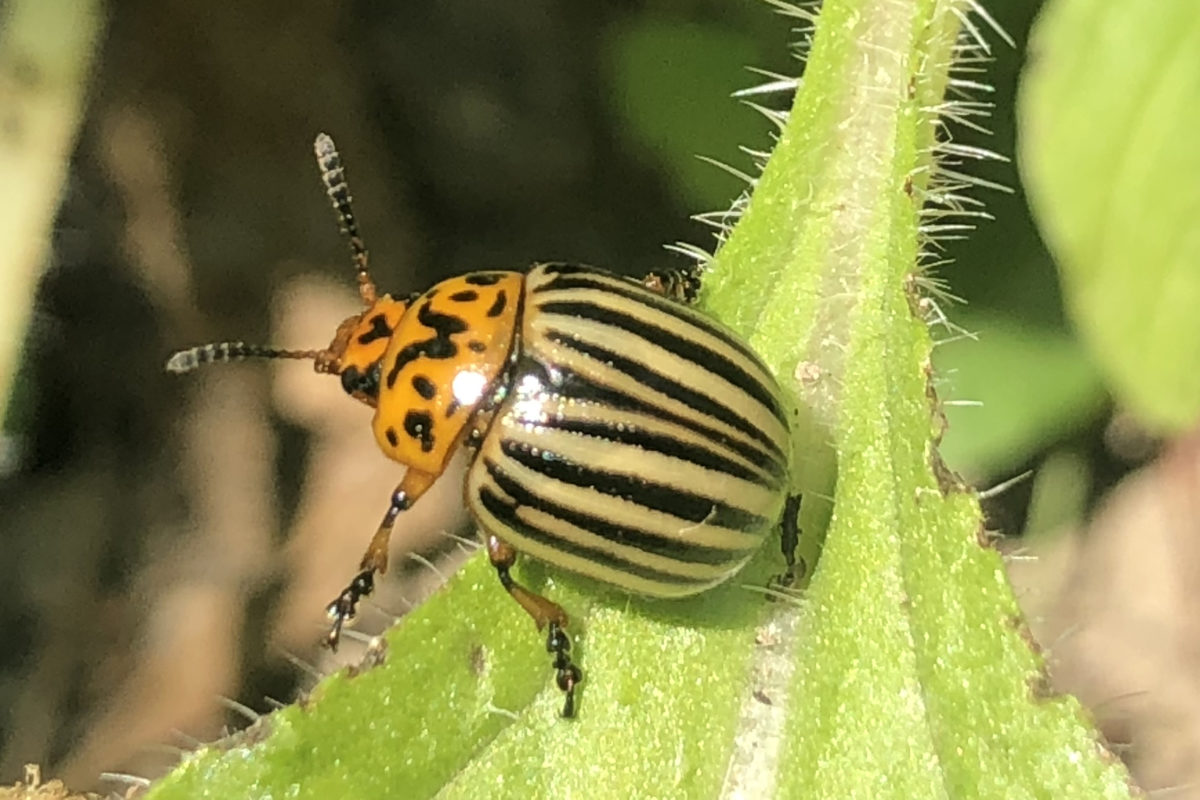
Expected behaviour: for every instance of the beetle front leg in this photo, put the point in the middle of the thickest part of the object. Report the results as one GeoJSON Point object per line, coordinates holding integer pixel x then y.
{"type": "Point", "coordinates": [343, 610]}
{"type": "Point", "coordinates": [546, 615]}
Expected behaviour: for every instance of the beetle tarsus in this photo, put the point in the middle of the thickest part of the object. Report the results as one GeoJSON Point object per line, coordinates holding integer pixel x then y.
{"type": "Point", "coordinates": [345, 608]}
{"type": "Point", "coordinates": [567, 674]}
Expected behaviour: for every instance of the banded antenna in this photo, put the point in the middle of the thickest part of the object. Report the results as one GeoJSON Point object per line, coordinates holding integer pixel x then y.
{"type": "Point", "coordinates": [221, 352]}
{"type": "Point", "coordinates": [333, 175]}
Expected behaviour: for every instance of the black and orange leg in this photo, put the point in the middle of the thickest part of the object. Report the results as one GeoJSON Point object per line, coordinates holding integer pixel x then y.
{"type": "Point", "coordinates": [681, 284]}
{"type": "Point", "coordinates": [789, 540]}
{"type": "Point", "coordinates": [375, 560]}
{"type": "Point", "coordinates": [546, 615]}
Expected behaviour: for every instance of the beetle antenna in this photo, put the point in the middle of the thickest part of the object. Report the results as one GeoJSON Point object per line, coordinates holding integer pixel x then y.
{"type": "Point", "coordinates": [218, 352]}
{"type": "Point", "coordinates": [333, 175]}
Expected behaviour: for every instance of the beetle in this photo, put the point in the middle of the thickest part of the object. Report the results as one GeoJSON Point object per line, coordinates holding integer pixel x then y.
{"type": "Point", "coordinates": [615, 431]}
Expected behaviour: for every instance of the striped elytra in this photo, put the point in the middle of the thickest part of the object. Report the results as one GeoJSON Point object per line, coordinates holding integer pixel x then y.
{"type": "Point", "coordinates": [617, 432]}
{"type": "Point", "coordinates": [639, 443]}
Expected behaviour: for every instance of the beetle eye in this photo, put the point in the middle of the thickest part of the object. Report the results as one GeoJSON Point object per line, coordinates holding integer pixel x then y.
{"type": "Point", "coordinates": [357, 382]}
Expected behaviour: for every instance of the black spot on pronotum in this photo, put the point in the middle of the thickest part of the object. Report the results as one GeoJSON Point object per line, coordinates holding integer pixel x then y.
{"type": "Point", "coordinates": [438, 346]}
{"type": "Point", "coordinates": [419, 425]}
{"type": "Point", "coordinates": [465, 296]}
{"type": "Point", "coordinates": [424, 387]}
{"type": "Point", "coordinates": [356, 382]}
{"type": "Point", "coordinates": [484, 278]}
{"type": "Point", "coordinates": [390, 435]}
{"type": "Point", "coordinates": [498, 307]}
{"type": "Point", "coordinates": [476, 346]}
{"type": "Point", "coordinates": [379, 330]}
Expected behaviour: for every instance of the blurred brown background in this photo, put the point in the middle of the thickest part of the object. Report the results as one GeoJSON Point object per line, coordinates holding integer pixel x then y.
{"type": "Point", "coordinates": [169, 542]}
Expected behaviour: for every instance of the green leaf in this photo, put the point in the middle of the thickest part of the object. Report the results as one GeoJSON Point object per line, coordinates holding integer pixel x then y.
{"type": "Point", "coordinates": [464, 704]}
{"type": "Point", "coordinates": [903, 672]}
{"type": "Point", "coordinates": [1108, 109]}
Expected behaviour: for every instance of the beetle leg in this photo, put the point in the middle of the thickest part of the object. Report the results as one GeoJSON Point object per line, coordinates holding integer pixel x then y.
{"type": "Point", "coordinates": [681, 284]}
{"type": "Point", "coordinates": [546, 614]}
{"type": "Point", "coordinates": [789, 539]}
{"type": "Point", "coordinates": [375, 559]}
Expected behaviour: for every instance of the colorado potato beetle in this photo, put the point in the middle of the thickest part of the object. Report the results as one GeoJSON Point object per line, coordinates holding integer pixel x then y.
{"type": "Point", "coordinates": [615, 431]}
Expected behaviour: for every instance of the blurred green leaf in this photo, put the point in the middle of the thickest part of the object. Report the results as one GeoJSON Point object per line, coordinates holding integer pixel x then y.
{"type": "Point", "coordinates": [1108, 109]}
{"type": "Point", "coordinates": [670, 84]}
{"type": "Point", "coordinates": [1059, 500]}
{"type": "Point", "coordinates": [1011, 391]}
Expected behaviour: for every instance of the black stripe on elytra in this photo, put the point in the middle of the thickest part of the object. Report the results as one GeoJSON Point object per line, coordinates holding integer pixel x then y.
{"type": "Point", "coordinates": [646, 376]}
{"type": "Point", "coordinates": [506, 514]}
{"type": "Point", "coordinates": [584, 278]}
{"type": "Point", "coordinates": [465, 296]}
{"type": "Point", "coordinates": [498, 307]}
{"type": "Point", "coordinates": [685, 349]}
{"type": "Point", "coordinates": [561, 268]}
{"type": "Point", "coordinates": [577, 386]}
{"type": "Point", "coordinates": [672, 446]}
{"type": "Point", "coordinates": [438, 346]}
{"type": "Point", "coordinates": [379, 330]}
{"type": "Point", "coordinates": [655, 496]}
{"type": "Point", "coordinates": [645, 541]}
{"type": "Point", "coordinates": [419, 425]}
